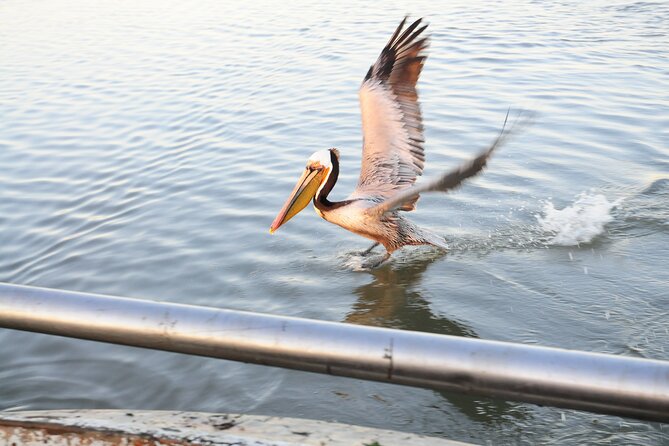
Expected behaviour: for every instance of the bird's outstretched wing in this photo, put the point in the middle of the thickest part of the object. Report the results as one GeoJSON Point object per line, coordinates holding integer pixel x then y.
{"type": "Point", "coordinates": [452, 179]}
{"type": "Point", "coordinates": [392, 154]}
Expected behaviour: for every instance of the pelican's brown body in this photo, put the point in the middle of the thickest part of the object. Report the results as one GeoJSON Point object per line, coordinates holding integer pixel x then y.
{"type": "Point", "coordinates": [390, 229]}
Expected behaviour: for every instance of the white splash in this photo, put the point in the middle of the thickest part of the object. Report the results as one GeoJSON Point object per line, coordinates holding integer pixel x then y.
{"type": "Point", "coordinates": [579, 223]}
{"type": "Point", "coordinates": [354, 262]}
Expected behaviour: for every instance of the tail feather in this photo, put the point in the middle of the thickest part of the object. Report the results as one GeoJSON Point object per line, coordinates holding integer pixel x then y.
{"type": "Point", "coordinates": [433, 239]}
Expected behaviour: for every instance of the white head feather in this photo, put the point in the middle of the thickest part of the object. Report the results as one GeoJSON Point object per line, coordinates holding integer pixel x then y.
{"type": "Point", "coordinates": [321, 157]}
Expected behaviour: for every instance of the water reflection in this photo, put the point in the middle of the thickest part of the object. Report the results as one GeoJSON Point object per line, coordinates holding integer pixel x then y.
{"type": "Point", "coordinates": [393, 300]}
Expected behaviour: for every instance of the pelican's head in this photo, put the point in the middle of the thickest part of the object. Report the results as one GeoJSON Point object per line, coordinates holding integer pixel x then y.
{"type": "Point", "coordinates": [310, 183]}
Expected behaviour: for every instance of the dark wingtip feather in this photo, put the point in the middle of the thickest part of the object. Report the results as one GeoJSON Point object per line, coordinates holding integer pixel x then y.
{"type": "Point", "coordinates": [405, 37]}
{"type": "Point", "coordinates": [402, 41]}
{"type": "Point", "coordinates": [397, 32]}
{"type": "Point", "coordinates": [411, 40]}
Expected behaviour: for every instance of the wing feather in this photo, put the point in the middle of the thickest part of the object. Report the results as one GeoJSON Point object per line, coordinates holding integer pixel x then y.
{"type": "Point", "coordinates": [454, 178]}
{"type": "Point", "coordinates": [393, 155]}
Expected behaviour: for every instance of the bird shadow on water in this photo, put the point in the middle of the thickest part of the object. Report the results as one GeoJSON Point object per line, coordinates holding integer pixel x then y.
{"type": "Point", "coordinates": [393, 300]}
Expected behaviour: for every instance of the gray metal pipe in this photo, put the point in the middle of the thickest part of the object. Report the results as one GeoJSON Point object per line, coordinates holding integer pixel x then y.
{"type": "Point", "coordinates": [633, 387]}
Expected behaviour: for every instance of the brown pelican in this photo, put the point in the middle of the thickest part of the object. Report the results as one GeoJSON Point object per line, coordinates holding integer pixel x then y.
{"type": "Point", "coordinates": [392, 156]}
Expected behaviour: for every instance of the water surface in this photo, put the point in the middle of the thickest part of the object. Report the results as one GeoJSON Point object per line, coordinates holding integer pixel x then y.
{"type": "Point", "coordinates": [145, 148]}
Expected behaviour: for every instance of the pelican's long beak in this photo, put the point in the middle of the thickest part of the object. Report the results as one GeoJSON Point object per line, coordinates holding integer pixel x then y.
{"type": "Point", "coordinates": [304, 191]}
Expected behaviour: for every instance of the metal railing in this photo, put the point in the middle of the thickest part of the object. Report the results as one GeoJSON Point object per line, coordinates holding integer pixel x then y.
{"type": "Point", "coordinates": [624, 386]}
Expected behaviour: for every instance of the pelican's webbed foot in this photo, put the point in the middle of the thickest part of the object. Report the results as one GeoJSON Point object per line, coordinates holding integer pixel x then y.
{"type": "Point", "coordinates": [376, 262]}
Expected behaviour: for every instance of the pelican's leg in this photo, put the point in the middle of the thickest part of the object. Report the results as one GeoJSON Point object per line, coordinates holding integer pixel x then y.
{"type": "Point", "coordinates": [376, 263]}
{"type": "Point", "coordinates": [368, 250]}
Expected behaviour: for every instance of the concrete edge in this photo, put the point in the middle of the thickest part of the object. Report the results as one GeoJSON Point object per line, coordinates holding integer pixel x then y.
{"type": "Point", "coordinates": [118, 427]}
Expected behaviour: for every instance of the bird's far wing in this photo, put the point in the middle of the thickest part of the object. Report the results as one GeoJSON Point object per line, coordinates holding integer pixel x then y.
{"type": "Point", "coordinates": [452, 179]}
{"type": "Point", "coordinates": [392, 155]}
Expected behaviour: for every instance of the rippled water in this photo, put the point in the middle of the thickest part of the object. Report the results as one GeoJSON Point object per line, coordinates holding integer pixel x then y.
{"type": "Point", "coordinates": [145, 147]}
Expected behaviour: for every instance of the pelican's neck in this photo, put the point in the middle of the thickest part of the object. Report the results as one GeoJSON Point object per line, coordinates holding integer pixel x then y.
{"type": "Point", "coordinates": [321, 199]}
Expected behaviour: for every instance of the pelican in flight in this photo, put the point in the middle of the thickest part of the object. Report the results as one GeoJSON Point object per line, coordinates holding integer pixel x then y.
{"type": "Point", "coordinates": [392, 156]}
